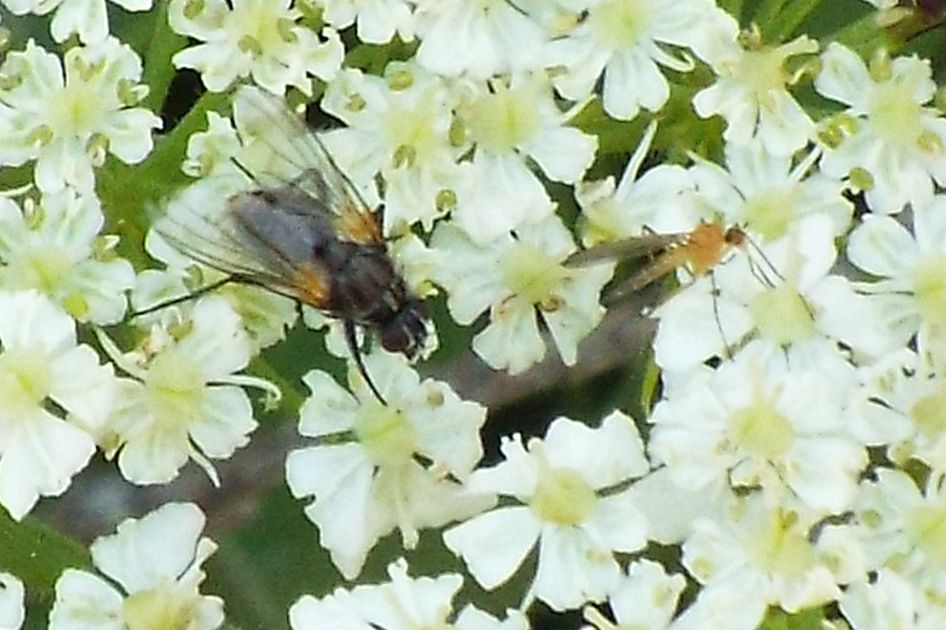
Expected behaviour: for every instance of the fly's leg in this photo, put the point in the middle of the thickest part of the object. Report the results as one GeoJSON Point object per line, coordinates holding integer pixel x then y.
{"type": "Point", "coordinates": [352, 342]}
{"type": "Point", "coordinates": [719, 324]}
{"type": "Point", "coordinates": [193, 295]}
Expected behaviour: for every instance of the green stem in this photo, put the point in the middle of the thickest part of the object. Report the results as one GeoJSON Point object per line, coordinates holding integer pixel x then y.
{"type": "Point", "coordinates": [766, 13]}
{"type": "Point", "coordinates": [862, 35]}
{"type": "Point", "coordinates": [158, 69]}
{"type": "Point", "coordinates": [788, 20]}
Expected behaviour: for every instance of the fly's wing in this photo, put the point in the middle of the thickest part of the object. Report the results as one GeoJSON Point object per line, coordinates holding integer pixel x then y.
{"type": "Point", "coordinates": [285, 152]}
{"type": "Point", "coordinates": [201, 223]}
{"type": "Point", "coordinates": [629, 248]}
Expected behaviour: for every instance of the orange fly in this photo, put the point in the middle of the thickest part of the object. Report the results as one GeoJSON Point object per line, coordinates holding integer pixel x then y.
{"type": "Point", "coordinates": [698, 251]}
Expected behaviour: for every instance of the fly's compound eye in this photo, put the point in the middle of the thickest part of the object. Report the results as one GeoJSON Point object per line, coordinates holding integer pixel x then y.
{"type": "Point", "coordinates": [406, 332]}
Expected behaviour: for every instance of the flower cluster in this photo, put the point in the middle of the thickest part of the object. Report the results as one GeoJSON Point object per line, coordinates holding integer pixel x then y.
{"type": "Point", "coordinates": [790, 187]}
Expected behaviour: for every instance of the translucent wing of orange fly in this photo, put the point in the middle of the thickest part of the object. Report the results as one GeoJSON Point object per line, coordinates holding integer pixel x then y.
{"type": "Point", "coordinates": [699, 251]}
{"type": "Point", "coordinates": [628, 248]}
{"type": "Point", "coordinates": [295, 156]}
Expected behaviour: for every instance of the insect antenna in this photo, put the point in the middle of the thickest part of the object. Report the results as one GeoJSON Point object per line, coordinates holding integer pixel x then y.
{"type": "Point", "coordinates": [760, 273]}
{"type": "Point", "coordinates": [757, 270]}
{"type": "Point", "coordinates": [355, 351]}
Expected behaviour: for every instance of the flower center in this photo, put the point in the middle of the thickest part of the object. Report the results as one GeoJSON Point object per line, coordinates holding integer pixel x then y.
{"type": "Point", "coordinates": [531, 273]}
{"type": "Point", "coordinates": [41, 268]}
{"type": "Point", "coordinates": [562, 496]}
{"type": "Point", "coordinates": [162, 608]}
{"type": "Point", "coordinates": [781, 315]}
{"type": "Point", "coordinates": [763, 70]}
{"type": "Point", "coordinates": [263, 29]}
{"type": "Point", "coordinates": [25, 379]}
{"type": "Point", "coordinates": [769, 212]}
{"type": "Point", "coordinates": [619, 24]}
{"type": "Point", "coordinates": [386, 434]}
{"type": "Point", "coordinates": [413, 137]}
{"type": "Point", "coordinates": [929, 287]}
{"type": "Point", "coordinates": [926, 528]}
{"type": "Point", "coordinates": [929, 413]}
{"type": "Point", "coordinates": [176, 386]}
{"type": "Point", "coordinates": [895, 116]}
{"type": "Point", "coordinates": [781, 548]}
{"type": "Point", "coordinates": [501, 121]}
{"type": "Point", "coordinates": [761, 430]}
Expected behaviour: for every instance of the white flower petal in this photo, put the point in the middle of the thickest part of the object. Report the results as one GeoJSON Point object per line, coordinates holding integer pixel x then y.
{"type": "Point", "coordinates": [148, 552]}
{"type": "Point", "coordinates": [494, 544]}
{"type": "Point", "coordinates": [85, 602]}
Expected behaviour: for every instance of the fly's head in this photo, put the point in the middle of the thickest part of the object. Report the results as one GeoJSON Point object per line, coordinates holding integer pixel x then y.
{"type": "Point", "coordinates": [407, 331]}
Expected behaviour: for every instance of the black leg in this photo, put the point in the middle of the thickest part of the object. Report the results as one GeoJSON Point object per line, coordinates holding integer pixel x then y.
{"type": "Point", "coordinates": [193, 295]}
{"type": "Point", "coordinates": [355, 351]}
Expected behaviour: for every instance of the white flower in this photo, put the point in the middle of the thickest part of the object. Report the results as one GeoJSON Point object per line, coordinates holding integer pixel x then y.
{"type": "Point", "coordinates": [258, 38]}
{"type": "Point", "coordinates": [769, 194]}
{"type": "Point", "coordinates": [185, 400]}
{"type": "Point", "coordinates": [894, 145]}
{"type": "Point", "coordinates": [891, 602]}
{"type": "Point", "coordinates": [911, 293]}
{"type": "Point", "coordinates": [398, 467]}
{"type": "Point", "coordinates": [756, 558]}
{"type": "Point", "coordinates": [734, 304]}
{"type": "Point", "coordinates": [376, 21]}
{"type": "Point", "coordinates": [153, 571]}
{"type": "Point", "coordinates": [519, 279]}
{"type": "Point", "coordinates": [12, 612]}
{"type": "Point", "coordinates": [403, 603]}
{"type": "Point", "coordinates": [903, 526]}
{"type": "Point", "coordinates": [645, 598]}
{"type": "Point", "coordinates": [662, 200]}
{"type": "Point", "coordinates": [209, 152]}
{"type": "Point", "coordinates": [69, 115]}
{"type": "Point", "coordinates": [627, 41]}
{"type": "Point", "coordinates": [901, 407]}
{"type": "Point", "coordinates": [42, 369]}
{"type": "Point", "coordinates": [762, 421]}
{"type": "Point", "coordinates": [558, 484]}
{"type": "Point", "coordinates": [481, 38]}
{"type": "Point", "coordinates": [338, 611]}
{"type": "Point", "coordinates": [750, 94]}
{"type": "Point", "coordinates": [511, 124]}
{"type": "Point", "coordinates": [54, 247]}
{"type": "Point", "coordinates": [407, 603]}
{"type": "Point", "coordinates": [398, 126]}
{"type": "Point", "coordinates": [86, 18]}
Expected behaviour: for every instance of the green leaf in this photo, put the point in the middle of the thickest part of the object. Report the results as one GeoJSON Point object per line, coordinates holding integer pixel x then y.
{"type": "Point", "coordinates": [38, 554]}
{"type": "Point", "coordinates": [808, 619]}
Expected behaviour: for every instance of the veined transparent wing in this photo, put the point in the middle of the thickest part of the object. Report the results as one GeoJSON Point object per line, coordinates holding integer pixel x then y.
{"type": "Point", "coordinates": [628, 248]}
{"type": "Point", "coordinates": [199, 224]}
{"type": "Point", "coordinates": [284, 152]}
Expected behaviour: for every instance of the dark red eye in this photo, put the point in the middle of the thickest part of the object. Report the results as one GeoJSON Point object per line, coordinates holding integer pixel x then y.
{"type": "Point", "coordinates": [407, 331]}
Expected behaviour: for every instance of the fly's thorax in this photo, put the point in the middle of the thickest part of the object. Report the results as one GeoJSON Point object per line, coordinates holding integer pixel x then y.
{"type": "Point", "coordinates": [367, 289]}
{"type": "Point", "coordinates": [365, 286]}
{"type": "Point", "coordinates": [708, 244]}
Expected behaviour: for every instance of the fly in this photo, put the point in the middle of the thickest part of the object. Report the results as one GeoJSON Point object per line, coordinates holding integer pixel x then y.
{"type": "Point", "coordinates": [301, 229]}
